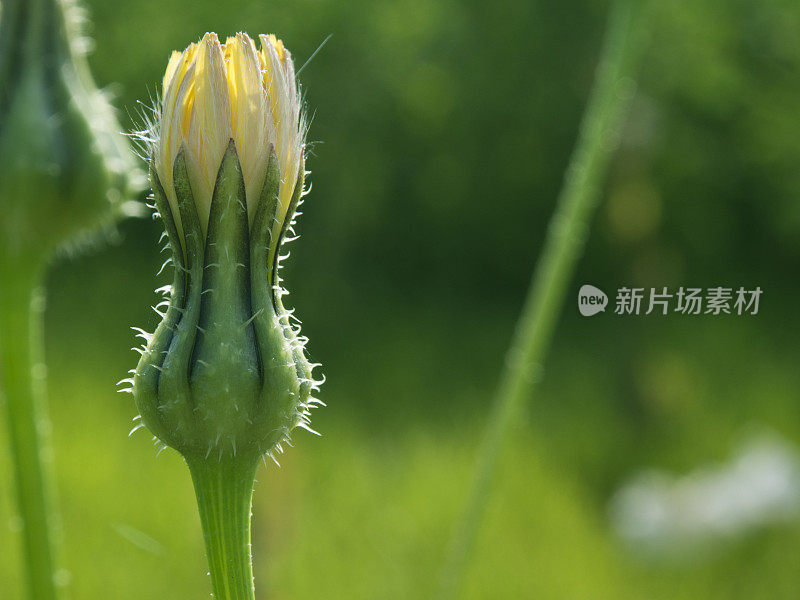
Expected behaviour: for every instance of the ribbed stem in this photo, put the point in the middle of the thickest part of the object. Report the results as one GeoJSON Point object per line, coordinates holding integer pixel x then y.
{"type": "Point", "coordinates": [224, 490]}
{"type": "Point", "coordinates": [610, 96]}
{"type": "Point", "coordinates": [22, 388]}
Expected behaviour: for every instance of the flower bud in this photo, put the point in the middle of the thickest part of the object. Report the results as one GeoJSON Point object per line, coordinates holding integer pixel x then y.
{"type": "Point", "coordinates": [226, 372]}
{"type": "Point", "coordinates": [65, 166]}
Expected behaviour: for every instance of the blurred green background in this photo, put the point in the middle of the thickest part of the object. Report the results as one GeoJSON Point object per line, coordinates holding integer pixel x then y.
{"type": "Point", "coordinates": [442, 130]}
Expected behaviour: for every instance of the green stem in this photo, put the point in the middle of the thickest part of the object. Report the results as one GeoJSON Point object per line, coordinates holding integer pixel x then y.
{"type": "Point", "coordinates": [224, 490]}
{"type": "Point", "coordinates": [22, 387]}
{"type": "Point", "coordinates": [608, 102]}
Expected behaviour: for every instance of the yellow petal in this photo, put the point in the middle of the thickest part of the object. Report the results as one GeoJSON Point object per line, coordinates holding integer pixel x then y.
{"type": "Point", "coordinates": [213, 93]}
{"type": "Point", "coordinates": [174, 60]}
{"type": "Point", "coordinates": [178, 97]}
{"type": "Point", "coordinates": [209, 128]}
{"type": "Point", "coordinates": [251, 120]}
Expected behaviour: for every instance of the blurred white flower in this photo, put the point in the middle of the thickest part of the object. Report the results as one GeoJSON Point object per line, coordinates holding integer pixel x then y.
{"type": "Point", "coordinates": [662, 514]}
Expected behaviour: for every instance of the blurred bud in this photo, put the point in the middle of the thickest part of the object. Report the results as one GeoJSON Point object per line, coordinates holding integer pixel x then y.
{"type": "Point", "coordinates": [65, 166]}
{"type": "Point", "coordinates": [226, 371]}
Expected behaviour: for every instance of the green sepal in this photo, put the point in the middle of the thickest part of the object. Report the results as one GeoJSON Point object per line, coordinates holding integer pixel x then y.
{"type": "Point", "coordinates": [276, 411]}
{"type": "Point", "coordinates": [291, 211]}
{"type": "Point", "coordinates": [303, 366]}
{"type": "Point", "coordinates": [165, 212]}
{"type": "Point", "coordinates": [225, 376]}
{"type": "Point", "coordinates": [176, 407]}
{"type": "Point", "coordinates": [148, 371]}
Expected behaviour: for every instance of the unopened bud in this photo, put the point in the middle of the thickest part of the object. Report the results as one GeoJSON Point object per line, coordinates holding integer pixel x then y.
{"type": "Point", "coordinates": [226, 371]}
{"type": "Point", "coordinates": [65, 165]}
